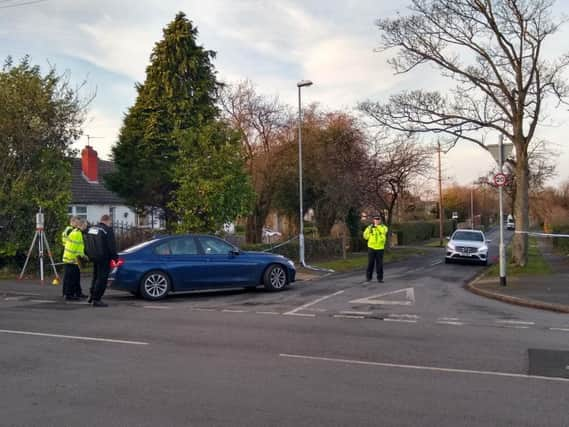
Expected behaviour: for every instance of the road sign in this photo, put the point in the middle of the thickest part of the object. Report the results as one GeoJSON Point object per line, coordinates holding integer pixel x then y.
{"type": "Point", "coordinates": [500, 179]}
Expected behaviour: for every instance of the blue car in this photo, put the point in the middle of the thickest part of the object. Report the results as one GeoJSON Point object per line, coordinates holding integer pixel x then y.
{"type": "Point", "coordinates": [155, 268]}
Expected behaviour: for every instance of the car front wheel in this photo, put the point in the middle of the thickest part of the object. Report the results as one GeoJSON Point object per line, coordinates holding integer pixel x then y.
{"type": "Point", "coordinates": [275, 278]}
{"type": "Point", "coordinates": [155, 285]}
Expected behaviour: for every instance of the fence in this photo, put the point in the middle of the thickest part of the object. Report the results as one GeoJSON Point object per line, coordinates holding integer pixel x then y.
{"type": "Point", "coordinates": [127, 235]}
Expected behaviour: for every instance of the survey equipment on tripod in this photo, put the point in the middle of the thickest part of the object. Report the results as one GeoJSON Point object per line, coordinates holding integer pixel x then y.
{"type": "Point", "coordinates": [43, 247]}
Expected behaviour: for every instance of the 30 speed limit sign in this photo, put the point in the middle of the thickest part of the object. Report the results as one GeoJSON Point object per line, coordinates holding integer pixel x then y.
{"type": "Point", "coordinates": [500, 179]}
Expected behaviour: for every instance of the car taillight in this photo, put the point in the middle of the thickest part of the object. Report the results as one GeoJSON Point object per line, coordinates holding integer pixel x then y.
{"type": "Point", "coordinates": [118, 263]}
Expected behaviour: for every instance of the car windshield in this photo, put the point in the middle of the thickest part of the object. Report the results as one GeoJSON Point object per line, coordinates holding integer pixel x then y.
{"type": "Point", "coordinates": [468, 236]}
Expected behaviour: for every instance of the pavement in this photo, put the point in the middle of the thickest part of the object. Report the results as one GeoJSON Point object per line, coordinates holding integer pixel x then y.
{"type": "Point", "coordinates": [547, 292]}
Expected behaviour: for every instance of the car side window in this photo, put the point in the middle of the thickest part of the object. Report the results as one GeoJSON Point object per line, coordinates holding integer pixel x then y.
{"type": "Point", "coordinates": [213, 246]}
{"type": "Point", "coordinates": [184, 246]}
{"type": "Point", "coordinates": [163, 249]}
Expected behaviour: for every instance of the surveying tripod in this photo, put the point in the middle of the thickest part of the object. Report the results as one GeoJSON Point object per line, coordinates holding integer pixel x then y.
{"type": "Point", "coordinates": [39, 236]}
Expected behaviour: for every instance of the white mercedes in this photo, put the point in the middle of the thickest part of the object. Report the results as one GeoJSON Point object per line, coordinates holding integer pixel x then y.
{"type": "Point", "coordinates": [467, 245]}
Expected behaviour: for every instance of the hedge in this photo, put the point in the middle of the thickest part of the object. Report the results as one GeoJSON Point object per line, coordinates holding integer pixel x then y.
{"type": "Point", "coordinates": [418, 231]}
{"type": "Point", "coordinates": [314, 249]}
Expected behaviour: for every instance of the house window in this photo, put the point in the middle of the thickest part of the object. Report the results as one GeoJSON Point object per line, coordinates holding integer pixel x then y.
{"type": "Point", "coordinates": [79, 211]}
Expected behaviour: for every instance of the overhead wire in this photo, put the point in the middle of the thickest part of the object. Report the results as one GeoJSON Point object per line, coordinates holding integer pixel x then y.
{"type": "Point", "coordinates": [24, 3]}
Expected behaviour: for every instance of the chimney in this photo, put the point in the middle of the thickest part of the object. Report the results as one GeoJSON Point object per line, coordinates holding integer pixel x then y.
{"type": "Point", "coordinates": [90, 164]}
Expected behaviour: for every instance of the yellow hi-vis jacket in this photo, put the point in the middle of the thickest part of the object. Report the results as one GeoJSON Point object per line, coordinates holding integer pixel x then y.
{"type": "Point", "coordinates": [376, 236]}
{"type": "Point", "coordinates": [65, 234]}
{"type": "Point", "coordinates": [74, 247]}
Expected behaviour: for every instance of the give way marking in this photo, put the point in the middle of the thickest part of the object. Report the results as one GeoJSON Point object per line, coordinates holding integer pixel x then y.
{"type": "Point", "coordinates": [386, 298]}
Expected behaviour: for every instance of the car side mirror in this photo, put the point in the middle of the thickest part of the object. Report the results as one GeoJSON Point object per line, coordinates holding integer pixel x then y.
{"type": "Point", "coordinates": [488, 240]}
{"type": "Point", "coordinates": [234, 252]}
{"type": "Point", "coordinates": [447, 237]}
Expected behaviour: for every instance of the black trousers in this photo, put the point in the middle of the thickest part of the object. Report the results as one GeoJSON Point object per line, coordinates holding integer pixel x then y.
{"type": "Point", "coordinates": [71, 280]}
{"type": "Point", "coordinates": [101, 270]}
{"type": "Point", "coordinates": [374, 257]}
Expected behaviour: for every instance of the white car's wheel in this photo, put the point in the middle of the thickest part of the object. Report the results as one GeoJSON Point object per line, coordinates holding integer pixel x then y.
{"type": "Point", "coordinates": [275, 278]}
{"type": "Point", "coordinates": [155, 285]}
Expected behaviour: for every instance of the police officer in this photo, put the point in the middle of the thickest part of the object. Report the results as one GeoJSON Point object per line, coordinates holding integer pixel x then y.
{"type": "Point", "coordinates": [103, 251]}
{"type": "Point", "coordinates": [73, 253]}
{"type": "Point", "coordinates": [376, 236]}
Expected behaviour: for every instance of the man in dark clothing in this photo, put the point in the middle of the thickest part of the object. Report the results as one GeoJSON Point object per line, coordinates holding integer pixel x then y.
{"type": "Point", "coordinates": [101, 249]}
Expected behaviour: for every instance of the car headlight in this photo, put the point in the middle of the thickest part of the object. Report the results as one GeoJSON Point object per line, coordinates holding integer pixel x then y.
{"type": "Point", "coordinates": [450, 247]}
{"type": "Point", "coordinates": [289, 262]}
{"type": "Point", "coordinates": [483, 249]}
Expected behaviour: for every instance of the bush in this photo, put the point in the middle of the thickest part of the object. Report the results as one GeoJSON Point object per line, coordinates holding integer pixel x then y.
{"type": "Point", "coordinates": [561, 243]}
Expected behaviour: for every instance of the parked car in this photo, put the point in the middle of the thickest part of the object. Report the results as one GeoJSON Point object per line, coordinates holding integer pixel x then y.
{"type": "Point", "coordinates": [510, 223]}
{"type": "Point", "coordinates": [467, 245]}
{"type": "Point", "coordinates": [167, 264]}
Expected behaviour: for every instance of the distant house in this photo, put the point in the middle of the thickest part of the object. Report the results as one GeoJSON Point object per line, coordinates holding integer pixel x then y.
{"type": "Point", "coordinates": [90, 199]}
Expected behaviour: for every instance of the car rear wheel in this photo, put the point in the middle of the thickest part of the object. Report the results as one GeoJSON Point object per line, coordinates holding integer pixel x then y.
{"type": "Point", "coordinates": [275, 278]}
{"type": "Point", "coordinates": [155, 285]}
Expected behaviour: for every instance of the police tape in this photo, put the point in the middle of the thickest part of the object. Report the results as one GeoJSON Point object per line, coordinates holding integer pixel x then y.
{"type": "Point", "coordinates": [535, 234]}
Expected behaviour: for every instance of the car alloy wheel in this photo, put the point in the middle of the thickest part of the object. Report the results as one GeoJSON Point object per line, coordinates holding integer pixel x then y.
{"type": "Point", "coordinates": [155, 285]}
{"type": "Point", "coordinates": [275, 278]}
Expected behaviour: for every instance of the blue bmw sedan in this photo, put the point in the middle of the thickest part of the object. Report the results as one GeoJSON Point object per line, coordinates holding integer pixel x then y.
{"type": "Point", "coordinates": [155, 268]}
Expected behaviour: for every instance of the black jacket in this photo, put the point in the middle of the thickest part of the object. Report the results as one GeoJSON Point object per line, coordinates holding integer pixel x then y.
{"type": "Point", "coordinates": [100, 243]}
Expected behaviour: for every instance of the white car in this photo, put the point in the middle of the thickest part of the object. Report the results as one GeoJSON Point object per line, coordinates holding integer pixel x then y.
{"type": "Point", "coordinates": [510, 223]}
{"type": "Point", "coordinates": [467, 245]}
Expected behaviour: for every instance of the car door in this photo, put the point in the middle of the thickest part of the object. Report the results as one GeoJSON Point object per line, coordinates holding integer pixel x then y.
{"type": "Point", "coordinates": [183, 261]}
{"type": "Point", "coordinates": [226, 267]}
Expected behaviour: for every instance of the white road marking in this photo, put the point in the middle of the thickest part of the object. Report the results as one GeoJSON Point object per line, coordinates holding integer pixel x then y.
{"type": "Point", "coordinates": [267, 312]}
{"type": "Point", "coordinates": [514, 322]}
{"type": "Point", "coordinates": [295, 311]}
{"type": "Point", "coordinates": [14, 298]}
{"type": "Point", "coordinates": [449, 318]}
{"type": "Point", "coordinates": [72, 337]}
{"type": "Point", "coordinates": [387, 319]}
{"type": "Point", "coordinates": [423, 368]}
{"type": "Point", "coordinates": [357, 313]}
{"type": "Point", "coordinates": [559, 329]}
{"type": "Point", "coordinates": [42, 301]}
{"type": "Point", "coordinates": [409, 298]}
{"type": "Point", "coordinates": [437, 262]}
{"type": "Point", "coordinates": [404, 316]}
{"type": "Point", "coordinates": [233, 311]}
{"type": "Point", "coordinates": [157, 307]}
{"type": "Point", "coordinates": [202, 309]}
{"type": "Point", "coordinates": [347, 316]}
{"type": "Point", "coordinates": [449, 322]}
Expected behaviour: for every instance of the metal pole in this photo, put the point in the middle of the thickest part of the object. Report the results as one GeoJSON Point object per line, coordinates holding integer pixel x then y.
{"type": "Point", "coordinates": [501, 197]}
{"type": "Point", "coordinates": [472, 207]}
{"type": "Point", "coordinates": [301, 233]}
{"type": "Point", "coordinates": [440, 198]}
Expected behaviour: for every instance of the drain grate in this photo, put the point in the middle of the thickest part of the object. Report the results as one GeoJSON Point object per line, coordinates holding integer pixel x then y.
{"type": "Point", "coordinates": [548, 363]}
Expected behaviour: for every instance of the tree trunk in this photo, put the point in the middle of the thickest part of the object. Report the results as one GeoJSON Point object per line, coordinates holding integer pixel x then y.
{"type": "Point", "coordinates": [521, 211]}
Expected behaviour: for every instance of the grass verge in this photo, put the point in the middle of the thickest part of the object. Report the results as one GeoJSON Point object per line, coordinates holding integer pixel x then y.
{"type": "Point", "coordinates": [358, 261]}
{"type": "Point", "coordinates": [536, 266]}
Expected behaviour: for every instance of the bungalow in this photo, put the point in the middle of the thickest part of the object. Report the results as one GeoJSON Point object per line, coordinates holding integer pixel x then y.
{"type": "Point", "coordinates": [90, 199]}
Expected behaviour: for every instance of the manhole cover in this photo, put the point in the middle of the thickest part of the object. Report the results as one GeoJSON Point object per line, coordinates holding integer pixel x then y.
{"type": "Point", "coordinates": [548, 363]}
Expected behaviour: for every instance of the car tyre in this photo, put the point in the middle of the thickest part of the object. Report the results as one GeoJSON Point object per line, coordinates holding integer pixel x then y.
{"type": "Point", "coordinates": [275, 278]}
{"type": "Point", "coordinates": [155, 285]}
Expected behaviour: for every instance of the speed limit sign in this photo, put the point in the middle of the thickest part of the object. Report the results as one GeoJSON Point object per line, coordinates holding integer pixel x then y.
{"type": "Point", "coordinates": [500, 179]}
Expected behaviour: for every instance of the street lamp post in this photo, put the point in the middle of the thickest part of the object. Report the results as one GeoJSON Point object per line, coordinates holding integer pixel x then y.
{"type": "Point", "coordinates": [300, 85]}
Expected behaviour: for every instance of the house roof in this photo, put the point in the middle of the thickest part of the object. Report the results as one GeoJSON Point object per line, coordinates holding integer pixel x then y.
{"type": "Point", "coordinates": [92, 193]}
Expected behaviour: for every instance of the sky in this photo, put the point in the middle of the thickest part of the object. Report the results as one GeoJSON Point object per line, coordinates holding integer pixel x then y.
{"type": "Point", "coordinates": [274, 44]}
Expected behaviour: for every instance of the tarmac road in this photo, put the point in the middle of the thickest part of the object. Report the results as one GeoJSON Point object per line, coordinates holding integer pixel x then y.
{"type": "Point", "coordinates": [416, 350]}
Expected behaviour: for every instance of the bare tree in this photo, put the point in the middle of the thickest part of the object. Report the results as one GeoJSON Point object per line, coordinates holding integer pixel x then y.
{"type": "Point", "coordinates": [493, 51]}
{"type": "Point", "coordinates": [261, 122]}
{"type": "Point", "coordinates": [393, 164]}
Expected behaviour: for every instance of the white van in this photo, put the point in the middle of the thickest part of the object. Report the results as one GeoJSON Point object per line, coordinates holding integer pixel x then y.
{"type": "Point", "coordinates": [510, 224]}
